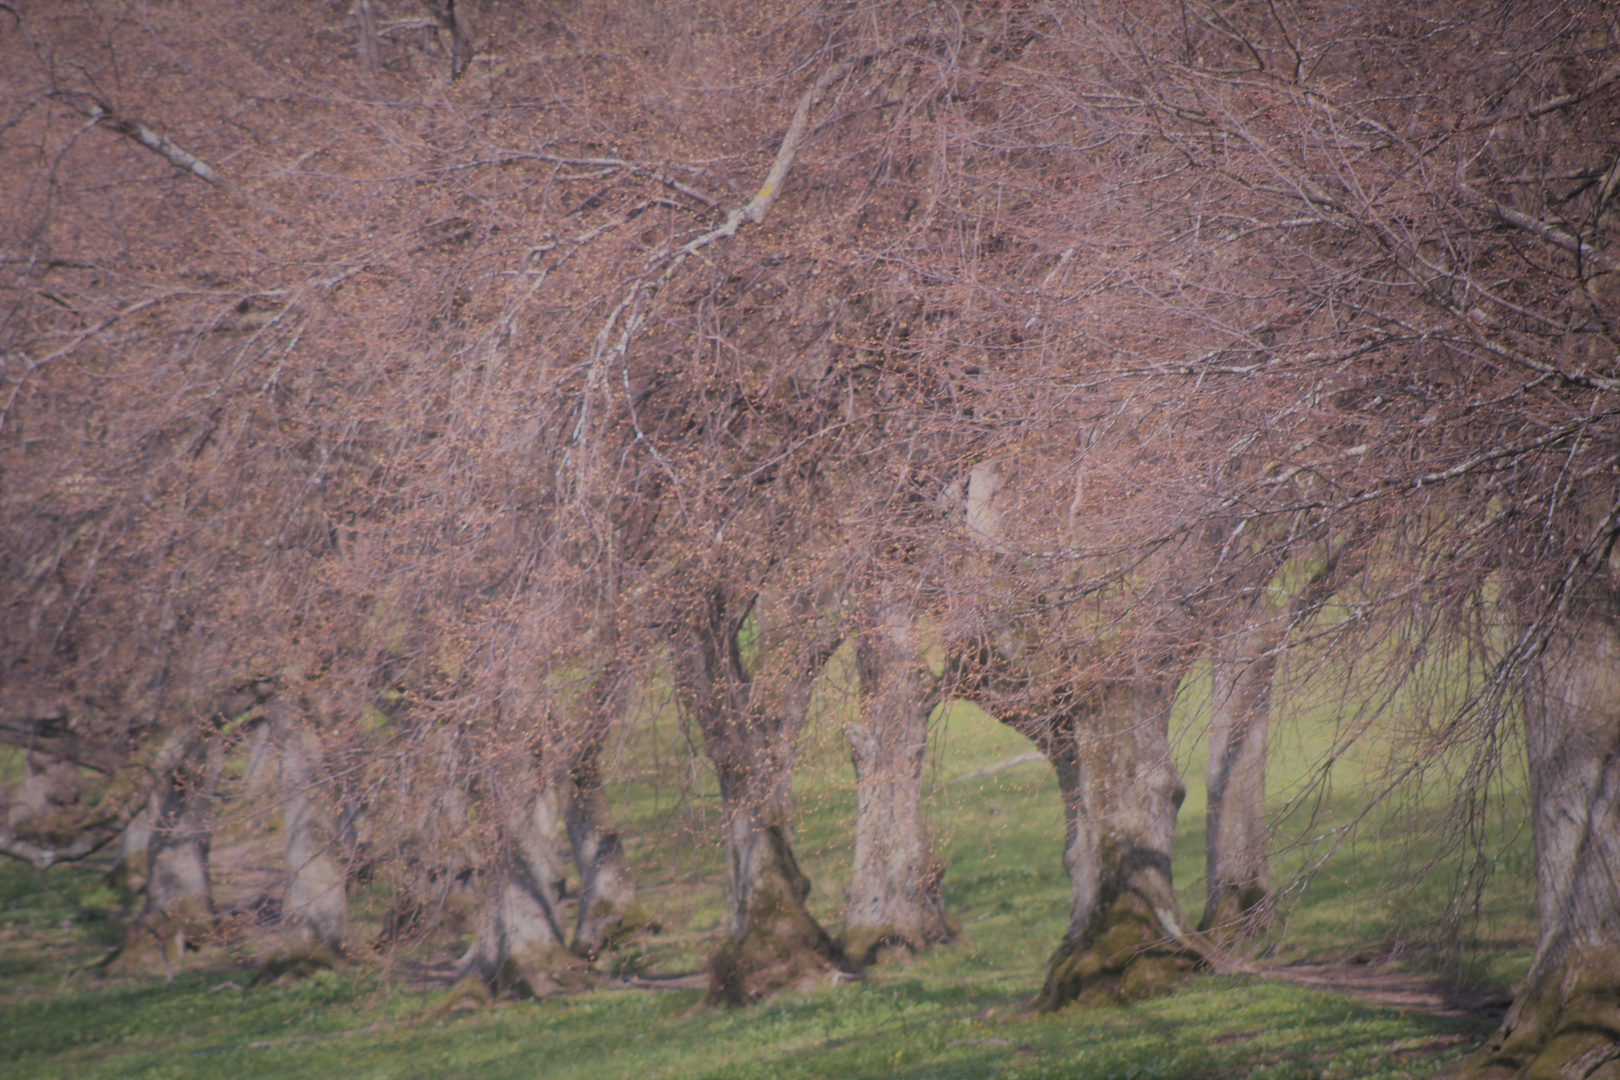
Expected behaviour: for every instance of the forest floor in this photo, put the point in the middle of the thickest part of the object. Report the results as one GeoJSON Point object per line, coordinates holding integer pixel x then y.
{"type": "Point", "coordinates": [1363, 979]}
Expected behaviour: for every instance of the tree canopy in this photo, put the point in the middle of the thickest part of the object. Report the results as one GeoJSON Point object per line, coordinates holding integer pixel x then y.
{"type": "Point", "coordinates": [409, 381]}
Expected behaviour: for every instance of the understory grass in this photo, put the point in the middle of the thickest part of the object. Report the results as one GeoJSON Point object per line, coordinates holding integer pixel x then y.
{"type": "Point", "coordinates": [953, 1012]}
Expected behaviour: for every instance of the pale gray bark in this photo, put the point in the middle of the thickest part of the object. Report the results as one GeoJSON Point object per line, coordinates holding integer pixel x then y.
{"type": "Point", "coordinates": [1121, 792]}
{"type": "Point", "coordinates": [1246, 640]}
{"type": "Point", "coordinates": [259, 777]}
{"type": "Point", "coordinates": [607, 894]}
{"type": "Point", "coordinates": [129, 873]}
{"type": "Point", "coordinates": [608, 910]}
{"type": "Point", "coordinates": [1572, 723]}
{"type": "Point", "coordinates": [47, 784]}
{"type": "Point", "coordinates": [179, 907]}
{"type": "Point", "coordinates": [519, 943]}
{"type": "Point", "coordinates": [1108, 740]}
{"type": "Point", "coordinates": [1243, 667]}
{"type": "Point", "coordinates": [315, 904]}
{"type": "Point", "coordinates": [750, 716]}
{"type": "Point", "coordinates": [1565, 1019]}
{"type": "Point", "coordinates": [369, 47]}
{"type": "Point", "coordinates": [894, 894]}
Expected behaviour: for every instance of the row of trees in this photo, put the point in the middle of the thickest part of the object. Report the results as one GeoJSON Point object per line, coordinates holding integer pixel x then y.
{"type": "Point", "coordinates": [397, 389]}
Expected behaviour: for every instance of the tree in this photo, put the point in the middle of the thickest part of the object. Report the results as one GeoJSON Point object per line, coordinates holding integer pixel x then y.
{"type": "Point", "coordinates": [750, 711]}
{"type": "Point", "coordinates": [1442, 313]}
{"type": "Point", "coordinates": [1099, 337]}
{"type": "Point", "coordinates": [894, 895]}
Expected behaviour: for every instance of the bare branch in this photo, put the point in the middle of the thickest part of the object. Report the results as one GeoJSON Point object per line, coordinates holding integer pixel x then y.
{"type": "Point", "coordinates": [1550, 233]}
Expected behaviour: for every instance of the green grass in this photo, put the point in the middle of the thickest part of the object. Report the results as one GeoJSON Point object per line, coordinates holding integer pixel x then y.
{"type": "Point", "coordinates": [954, 1012]}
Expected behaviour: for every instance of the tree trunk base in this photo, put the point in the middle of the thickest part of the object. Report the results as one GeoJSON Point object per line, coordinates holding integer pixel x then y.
{"type": "Point", "coordinates": [1123, 956]}
{"type": "Point", "coordinates": [784, 948]}
{"type": "Point", "coordinates": [868, 945]}
{"type": "Point", "coordinates": [607, 927]}
{"type": "Point", "coordinates": [535, 975]}
{"type": "Point", "coordinates": [160, 944]}
{"type": "Point", "coordinates": [527, 978]}
{"type": "Point", "coordinates": [1234, 912]}
{"type": "Point", "coordinates": [297, 961]}
{"type": "Point", "coordinates": [1569, 1033]}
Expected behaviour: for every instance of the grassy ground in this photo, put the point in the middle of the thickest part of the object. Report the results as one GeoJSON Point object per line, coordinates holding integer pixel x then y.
{"type": "Point", "coordinates": [952, 1013]}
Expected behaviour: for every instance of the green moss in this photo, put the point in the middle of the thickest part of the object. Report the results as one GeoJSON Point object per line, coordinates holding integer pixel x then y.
{"type": "Point", "coordinates": [783, 946]}
{"type": "Point", "coordinates": [1234, 913]}
{"type": "Point", "coordinates": [298, 961]}
{"type": "Point", "coordinates": [863, 944]}
{"type": "Point", "coordinates": [1122, 957]}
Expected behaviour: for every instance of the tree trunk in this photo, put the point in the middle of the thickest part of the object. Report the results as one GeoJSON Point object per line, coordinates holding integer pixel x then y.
{"type": "Point", "coordinates": [519, 945]}
{"type": "Point", "coordinates": [1242, 668]}
{"type": "Point", "coordinates": [1565, 1019]}
{"type": "Point", "coordinates": [315, 905]}
{"type": "Point", "coordinates": [1109, 742]}
{"type": "Point", "coordinates": [128, 875]}
{"type": "Point", "coordinates": [179, 908]}
{"type": "Point", "coordinates": [749, 721]}
{"type": "Point", "coordinates": [1126, 933]}
{"type": "Point", "coordinates": [48, 785]}
{"type": "Point", "coordinates": [894, 891]}
{"type": "Point", "coordinates": [608, 910]}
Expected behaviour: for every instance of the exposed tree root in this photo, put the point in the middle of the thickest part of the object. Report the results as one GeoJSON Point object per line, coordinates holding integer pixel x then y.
{"type": "Point", "coordinates": [782, 946]}
{"type": "Point", "coordinates": [1123, 956]}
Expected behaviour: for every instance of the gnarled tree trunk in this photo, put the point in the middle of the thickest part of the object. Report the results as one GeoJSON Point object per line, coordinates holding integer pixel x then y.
{"type": "Point", "coordinates": [1106, 730]}
{"type": "Point", "coordinates": [1242, 668]}
{"type": "Point", "coordinates": [749, 721]}
{"type": "Point", "coordinates": [315, 905]}
{"type": "Point", "coordinates": [1110, 747]}
{"type": "Point", "coordinates": [608, 910]}
{"type": "Point", "coordinates": [519, 945]}
{"type": "Point", "coordinates": [1565, 1019]}
{"type": "Point", "coordinates": [179, 908]}
{"type": "Point", "coordinates": [894, 896]}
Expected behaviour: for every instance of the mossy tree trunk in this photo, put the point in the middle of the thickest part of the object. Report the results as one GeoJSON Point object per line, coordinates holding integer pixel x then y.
{"type": "Point", "coordinates": [1565, 1019]}
{"type": "Point", "coordinates": [315, 903]}
{"type": "Point", "coordinates": [750, 714]}
{"type": "Point", "coordinates": [519, 945]}
{"type": "Point", "coordinates": [179, 908]}
{"type": "Point", "coordinates": [128, 875]}
{"type": "Point", "coordinates": [1103, 719]}
{"type": "Point", "coordinates": [608, 909]}
{"type": "Point", "coordinates": [1110, 747]}
{"type": "Point", "coordinates": [1243, 666]}
{"type": "Point", "coordinates": [894, 895]}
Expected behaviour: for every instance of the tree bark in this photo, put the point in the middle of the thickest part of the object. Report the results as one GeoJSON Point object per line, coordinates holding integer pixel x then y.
{"type": "Point", "coordinates": [749, 721]}
{"type": "Point", "coordinates": [895, 886]}
{"type": "Point", "coordinates": [1110, 747]}
{"type": "Point", "coordinates": [608, 910]}
{"type": "Point", "coordinates": [179, 908]}
{"type": "Point", "coordinates": [1565, 1019]}
{"type": "Point", "coordinates": [1108, 738]}
{"type": "Point", "coordinates": [128, 874]}
{"type": "Point", "coordinates": [315, 905]}
{"type": "Point", "coordinates": [1242, 668]}
{"type": "Point", "coordinates": [48, 784]}
{"type": "Point", "coordinates": [519, 945]}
